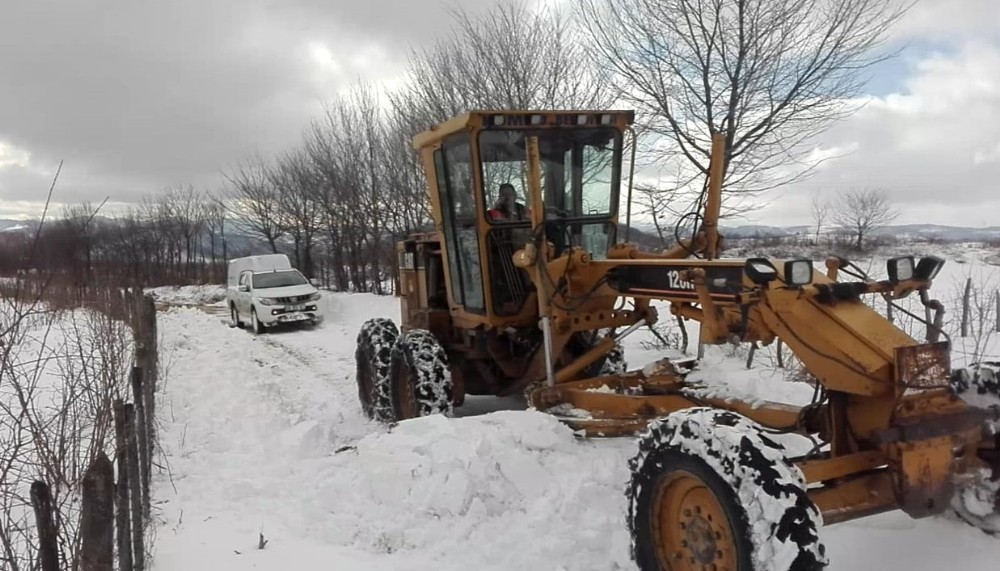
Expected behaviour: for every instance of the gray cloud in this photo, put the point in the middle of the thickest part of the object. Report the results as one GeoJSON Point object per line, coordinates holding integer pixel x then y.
{"type": "Point", "coordinates": [136, 94]}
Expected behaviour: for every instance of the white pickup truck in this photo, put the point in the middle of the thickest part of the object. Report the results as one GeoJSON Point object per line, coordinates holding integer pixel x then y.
{"type": "Point", "coordinates": [266, 291]}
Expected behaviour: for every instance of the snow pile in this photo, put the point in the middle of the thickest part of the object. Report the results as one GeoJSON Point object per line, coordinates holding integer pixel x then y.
{"type": "Point", "coordinates": [188, 295]}
{"type": "Point", "coordinates": [265, 434]}
{"type": "Point", "coordinates": [499, 482]}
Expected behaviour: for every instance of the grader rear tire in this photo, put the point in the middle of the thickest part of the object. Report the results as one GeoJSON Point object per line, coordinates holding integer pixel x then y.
{"type": "Point", "coordinates": [373, 360]}
{"type": "Point", "coordinates": [420, 380]}
{"type": "Point", "coordinates": [709, 490]}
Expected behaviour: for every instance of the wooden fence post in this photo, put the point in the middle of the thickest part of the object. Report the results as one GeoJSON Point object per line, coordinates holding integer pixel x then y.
{"type": "Point", "coordinates": [121, 491]}
{"type": "Point", "coordinates": [996, 309]}
{"type": "Point", "coordinates": [48, 543]}
{"type": "Point", "coordinates": [781, 357]}
{"type": "Point", "coordinates": [965, 307]}
{"type": "Point", "coordinates": [97, 518]}
{"type": "Point", "coordinates": [141, 436]}
{"type": "Point", "coordinates": [135, 492]}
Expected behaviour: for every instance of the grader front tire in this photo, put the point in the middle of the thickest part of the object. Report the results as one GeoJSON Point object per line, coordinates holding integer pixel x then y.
{"type": "Point", "coordinates": [420, 380]}
{"type": "Point", "coordinates": [373, 360]}
{"type": "Point", "coordinates": [710, 490]}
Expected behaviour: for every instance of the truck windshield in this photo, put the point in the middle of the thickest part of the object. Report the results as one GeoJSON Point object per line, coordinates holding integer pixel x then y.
{"type": "Point", "coordinates": [278, 279]}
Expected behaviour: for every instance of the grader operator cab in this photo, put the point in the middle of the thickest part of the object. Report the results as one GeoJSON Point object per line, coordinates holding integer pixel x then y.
{"type": "Point", "coordinates": [496, 303]}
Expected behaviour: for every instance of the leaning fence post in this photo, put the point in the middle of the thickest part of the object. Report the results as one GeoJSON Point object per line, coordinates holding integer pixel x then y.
{"type": "Point", "coordinates": [141, 436]}
{"type": "Point", "coordinates": [134, 485]}
{"type": "Point", "coordinates": [121, 490]}
{"type": "Point", "coordinates": [996, 309]}
{"type": "Point", "coordinates": [965, 307]}
{"type": "Point", "coordinates": [97, 517]}
{"type": "Point", "coordinates": [48, 550]}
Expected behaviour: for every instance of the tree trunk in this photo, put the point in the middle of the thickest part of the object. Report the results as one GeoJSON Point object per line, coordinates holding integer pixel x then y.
{"type": "Point", "coordinates": [48, 540]}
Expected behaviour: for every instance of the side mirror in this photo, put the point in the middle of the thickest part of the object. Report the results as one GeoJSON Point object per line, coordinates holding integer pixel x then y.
{"type": "Point", "coordinates": [243, 288]}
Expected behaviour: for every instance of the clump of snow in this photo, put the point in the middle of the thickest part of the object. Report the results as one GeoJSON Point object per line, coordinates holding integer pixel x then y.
{"type": "Point", "coordinates": [567, 410]}
{"type": "Point", "coordinates": [190, 295]}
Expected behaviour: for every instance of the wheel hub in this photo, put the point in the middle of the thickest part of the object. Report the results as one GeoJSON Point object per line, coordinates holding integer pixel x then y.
{"type": "Point", "coordinates": [701, 539]}
{"type": "Point", "coordinates": [691, 528]}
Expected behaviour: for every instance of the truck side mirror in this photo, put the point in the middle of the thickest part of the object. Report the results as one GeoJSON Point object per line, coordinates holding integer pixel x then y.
{"type": "Point", "coordinates": [243, 288]}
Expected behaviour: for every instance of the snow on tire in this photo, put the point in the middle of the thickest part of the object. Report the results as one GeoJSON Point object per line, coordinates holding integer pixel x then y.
{"type": "Point", "coordinates": [373, 358]}
{"type": "Point", "coordinates": [421, 382]}
{"type": "Point", "coordinates": [981, 380]}
{"type": "Point", "coordinates": [614, 362]}
{"type": "Point", "coordinates": [703, 461]}
{"type": "Point", "coordinates": [977, 502]}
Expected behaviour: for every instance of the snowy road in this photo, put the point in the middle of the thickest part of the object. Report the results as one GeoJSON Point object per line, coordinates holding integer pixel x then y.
{"type": "Point", "coordinates": [254, 430]}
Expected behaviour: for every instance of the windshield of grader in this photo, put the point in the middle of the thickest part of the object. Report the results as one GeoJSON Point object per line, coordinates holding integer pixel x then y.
{"type": "Point", "coordinates": [580, 172]}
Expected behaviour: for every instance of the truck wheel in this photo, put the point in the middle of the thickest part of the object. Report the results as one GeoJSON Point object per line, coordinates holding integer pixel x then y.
{"type": "Point", "coordinates": [234, 317]}
{"type": "Point", "coordinates": [258, 327]}
{"type": "Point", "coordinates": [710, 490]}
{"type": "Point", "coordinates": [373, 358]}
{"type": "Point", "coordinates": [420, 379]}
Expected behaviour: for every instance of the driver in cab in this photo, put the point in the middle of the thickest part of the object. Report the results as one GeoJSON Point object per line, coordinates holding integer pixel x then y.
{"type": "Point", "coordinates": [507, 208]}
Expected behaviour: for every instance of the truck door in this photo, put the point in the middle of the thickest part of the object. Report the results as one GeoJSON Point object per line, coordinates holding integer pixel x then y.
{"type": "Point", "coordinates": [243, 297]}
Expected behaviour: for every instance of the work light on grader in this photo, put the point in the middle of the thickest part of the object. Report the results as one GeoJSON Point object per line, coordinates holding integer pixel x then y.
{"type": "Point", "coordinates": [497, 304]}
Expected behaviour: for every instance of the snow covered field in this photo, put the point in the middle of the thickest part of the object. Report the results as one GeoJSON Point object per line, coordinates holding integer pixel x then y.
{"type": "Point", "coordinates": [264, 435]}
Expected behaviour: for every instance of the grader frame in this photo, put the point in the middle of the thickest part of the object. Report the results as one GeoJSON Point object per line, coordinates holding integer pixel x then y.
{"type": "Point", "coordinates": [894, 433]}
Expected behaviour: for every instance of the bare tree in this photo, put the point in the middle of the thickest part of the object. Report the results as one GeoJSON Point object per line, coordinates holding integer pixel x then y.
{"type": "Point", "coordinates": [255, 200]}
{"type": "Point", "coordinates": [770, 74]}
{"type": "Point", "coordinates": [512, 57]}
{"type": "Point", "coordinates": [296, 185]}
{"type": "Point", "coordinates": [820, 213]}
{"type": "Point", "coordinates": [861, 211]}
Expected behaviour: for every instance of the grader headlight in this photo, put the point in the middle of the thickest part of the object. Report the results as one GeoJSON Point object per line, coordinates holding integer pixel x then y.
{"type": "Point", "coordinates": [900, 269]}
{"type": "Point", "coordinates": [798, 272]}
{"type": "Point", "coordinates": [760, 270]}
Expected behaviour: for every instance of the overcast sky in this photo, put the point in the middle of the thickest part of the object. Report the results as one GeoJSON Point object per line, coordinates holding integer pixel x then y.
{"type": "Point", "coordinates": [136, 95]}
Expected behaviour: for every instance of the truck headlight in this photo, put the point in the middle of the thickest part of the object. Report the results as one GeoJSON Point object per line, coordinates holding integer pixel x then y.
{"type": "Point", "coordinates": [928, 267]}
{"type": "Point", "coordinates": [267, 301]}
{"type": "Point", "coordinates": [798, 272]}
{"type": "Point", "coordinates": [900, 269]}
{"type": "Point", "coordinates": [313, 297]}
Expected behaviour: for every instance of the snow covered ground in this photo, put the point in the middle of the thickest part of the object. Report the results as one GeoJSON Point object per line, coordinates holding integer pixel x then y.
{"type": "Point", "coordinates": [264, 435]}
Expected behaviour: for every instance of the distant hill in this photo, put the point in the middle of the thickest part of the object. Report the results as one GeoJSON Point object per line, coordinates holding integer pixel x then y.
{"type": "Point", "coordinates": [921, 231]}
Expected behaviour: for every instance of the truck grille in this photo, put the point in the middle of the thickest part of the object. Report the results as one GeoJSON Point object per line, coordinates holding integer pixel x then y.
{"type": "Point", "coordinates": [293, 299]}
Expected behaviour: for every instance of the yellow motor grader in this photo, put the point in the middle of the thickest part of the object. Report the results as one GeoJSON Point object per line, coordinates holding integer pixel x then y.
{"type": "Point", "coordinates": [507, 297]}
